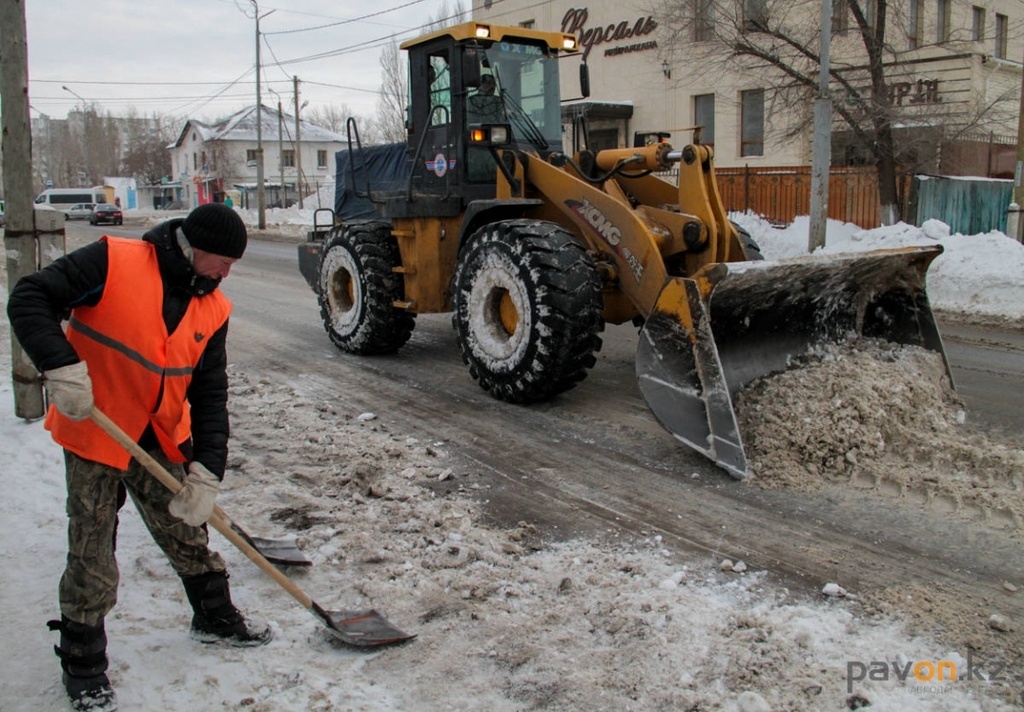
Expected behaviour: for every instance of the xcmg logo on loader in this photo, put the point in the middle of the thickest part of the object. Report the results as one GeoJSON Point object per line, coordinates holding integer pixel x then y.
{"type": "Point", "coordinates": [607, 231]}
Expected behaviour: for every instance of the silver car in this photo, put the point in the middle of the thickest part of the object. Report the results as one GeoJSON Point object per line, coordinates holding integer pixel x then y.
{"type": "Point", "coordinates": [79, 211]}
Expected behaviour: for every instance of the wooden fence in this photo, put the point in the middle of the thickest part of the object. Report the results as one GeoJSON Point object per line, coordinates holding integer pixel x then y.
{"type": "Point", "coordinates": [781, 194]}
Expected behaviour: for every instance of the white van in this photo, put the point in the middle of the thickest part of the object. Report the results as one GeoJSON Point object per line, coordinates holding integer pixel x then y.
{"type": "Point", "coordinates": [61, 198]}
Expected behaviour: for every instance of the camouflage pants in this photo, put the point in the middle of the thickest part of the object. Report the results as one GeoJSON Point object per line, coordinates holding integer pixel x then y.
{"type": "Point", "coordinates": [88, 587]}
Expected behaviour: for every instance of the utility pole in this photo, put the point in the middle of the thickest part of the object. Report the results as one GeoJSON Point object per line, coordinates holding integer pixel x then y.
{"type": "Point", "coordinates": [261, 190]}
{"type": "Point", "coordinates": [822, 152]}
{"type": "Point", "coordinates": [298, 142]}
{"type": "Point", "coordinates": [1015, 224]}
{"type": "Point", "coordinates": [280, 151]}
{"type": "Point", "coordinates": [32, 238]}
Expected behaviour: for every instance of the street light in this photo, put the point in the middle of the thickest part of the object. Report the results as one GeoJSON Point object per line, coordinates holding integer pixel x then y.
{"type": "Point", "coordinates": [85, 132]}
{"type": "Point", "coordinates": [84, 102]}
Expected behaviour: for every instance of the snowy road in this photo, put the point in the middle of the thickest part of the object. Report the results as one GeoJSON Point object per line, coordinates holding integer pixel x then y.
{"type": "Point", "coordinates": [595, 461]}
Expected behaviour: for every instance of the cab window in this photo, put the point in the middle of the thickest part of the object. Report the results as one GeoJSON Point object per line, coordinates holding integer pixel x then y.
{"type": "Point", "coordinates": [439, 72]}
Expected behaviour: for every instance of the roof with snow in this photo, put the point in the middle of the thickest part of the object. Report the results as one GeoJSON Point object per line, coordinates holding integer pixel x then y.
{"type": "Point", "coordinates": [241, 126]}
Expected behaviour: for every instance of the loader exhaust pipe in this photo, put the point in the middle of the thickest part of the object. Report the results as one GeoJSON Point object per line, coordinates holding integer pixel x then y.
{"type": "Point", "coordinates": [708, 338]}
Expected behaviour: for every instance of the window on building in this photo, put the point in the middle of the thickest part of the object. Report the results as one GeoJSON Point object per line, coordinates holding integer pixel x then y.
{"type": "Point", "coordinates": [195, 161]}
{"type": "Point", "coordinates": [755, 15]}
{"type": "Point", "coordinates": [251, 156]}
{"type": "Point", "coordinates": [321, 159]}
{"type": "Point", "coordinates": [1001, 35]}
{"type": "Point", "coordinates": [704, 116]}
{"type": "Point", "coordinates": [288, 158]}
{"type": "Point", "coordinates": [978, 23]}
{"type": "Point", "coordinates": [840, 17]}
{"type": "Point", "coordinates": [752, 122]}
{"type": "Point", "coordinates": [915, 24]}
{"type": "Point", "coordinates": [942, 21]}
{"type": "Point", "coordinates": [703, 20]}
{"type": "Point", "coordinates": [527, 24]}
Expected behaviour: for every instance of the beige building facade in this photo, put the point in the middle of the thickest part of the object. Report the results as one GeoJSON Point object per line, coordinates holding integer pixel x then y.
{"type": "Point", "coordinates": [953, 69]}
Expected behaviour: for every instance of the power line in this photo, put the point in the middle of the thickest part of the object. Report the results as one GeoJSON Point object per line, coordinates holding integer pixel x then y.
{"type": "Point", "coordinates": [121, 99]}
{"type": "Point", "coordinates": [188, 107]}
{"type": "Point", "coordinates": [346, 22]}
{"type": "Point", "coordinates": [145, 84]}
{"type": "Point", "coordinates": [377, 42]}
{"type": "Point", "coordinates": [341, 86]}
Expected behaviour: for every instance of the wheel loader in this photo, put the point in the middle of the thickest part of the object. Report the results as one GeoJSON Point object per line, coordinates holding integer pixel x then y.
{"type": "Point", "coordinates": [534, 247]}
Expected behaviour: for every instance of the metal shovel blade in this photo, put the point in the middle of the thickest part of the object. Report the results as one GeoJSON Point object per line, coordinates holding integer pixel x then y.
{"type": "Point", "coordinates": [281, 552]}
{"type": "Point", "coordinates": [707, 339]}
{"type": "Point", "coordinates": [362, 629]}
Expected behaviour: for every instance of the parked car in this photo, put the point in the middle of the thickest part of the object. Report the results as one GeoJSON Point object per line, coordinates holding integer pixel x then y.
{"type": "Point", "coordinates": [105, 212]}
{"type": "Point", "coordinates": [79, 211]}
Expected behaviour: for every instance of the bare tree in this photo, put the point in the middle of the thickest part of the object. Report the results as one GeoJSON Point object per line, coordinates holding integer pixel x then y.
{"type": "Point", "coordinates": [390, 120]}
{"type": "Point", "coordinates": [449, 13]}
{"type": "Point", "coordinates": [105, 147]}
{"type": "Point", "coordinates": [331, 118]}
{"type": "Point", "coordinates": [146, 139]}
{"type": "Point", "coordinates": [871, 73]}
{"type": "Point", "coordinates": [85, 147]}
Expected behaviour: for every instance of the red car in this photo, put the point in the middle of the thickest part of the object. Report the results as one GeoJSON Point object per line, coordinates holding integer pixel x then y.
{"type": "Point", "coordinates": [104, 212]}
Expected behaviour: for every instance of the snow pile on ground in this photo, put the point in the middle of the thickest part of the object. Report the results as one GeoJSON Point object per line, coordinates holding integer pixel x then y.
{"type": "Point", "coordinates": [883, 416]}
{"type": "Point", "coordinates": [976, 275]}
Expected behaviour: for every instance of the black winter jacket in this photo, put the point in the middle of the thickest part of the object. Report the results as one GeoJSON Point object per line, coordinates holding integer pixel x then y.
{"type": "Point", "coordinates": [42, 300]}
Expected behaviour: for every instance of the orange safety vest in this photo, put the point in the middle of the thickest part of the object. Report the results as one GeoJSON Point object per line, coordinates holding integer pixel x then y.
{"type": "Point", "coordinates": [140, 373]}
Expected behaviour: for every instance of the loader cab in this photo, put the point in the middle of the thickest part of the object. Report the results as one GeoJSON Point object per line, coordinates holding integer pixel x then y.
{"type": "Point", "coordinates": [479, 75]}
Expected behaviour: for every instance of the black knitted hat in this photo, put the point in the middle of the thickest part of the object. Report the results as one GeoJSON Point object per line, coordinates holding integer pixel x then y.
{"type": "Point", "coordinates": [216, 228]}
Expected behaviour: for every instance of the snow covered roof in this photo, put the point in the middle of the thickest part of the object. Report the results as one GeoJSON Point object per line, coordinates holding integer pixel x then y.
{"type": "Point", "coordinates": [241, 126]}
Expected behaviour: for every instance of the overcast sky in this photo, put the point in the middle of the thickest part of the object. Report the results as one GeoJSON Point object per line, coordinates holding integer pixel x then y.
{"type": "Point", "coordinates": [196, 58]}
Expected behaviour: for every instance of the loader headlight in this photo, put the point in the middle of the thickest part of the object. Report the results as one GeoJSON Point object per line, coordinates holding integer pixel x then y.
{"type": "Point", "coordinates": [489, 135]}
{"type": "Point", "coordinates": [499, 134]}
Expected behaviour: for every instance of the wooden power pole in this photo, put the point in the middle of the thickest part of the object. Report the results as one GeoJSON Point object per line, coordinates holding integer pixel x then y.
{"type": "Point", "coordinates": [32, 238]}
{"type": "Point", "coordinates": [1016, 225]}
{"type": "Point", "coordinates": [298, 143]}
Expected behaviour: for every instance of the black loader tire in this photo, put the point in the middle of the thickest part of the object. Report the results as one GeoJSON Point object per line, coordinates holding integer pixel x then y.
{"type": "Point", "coordinates": [527, 309]}
{"type": "Point", "coordinates": [358, 289]}
{"type": "Point", "coordinates": [751, 250]}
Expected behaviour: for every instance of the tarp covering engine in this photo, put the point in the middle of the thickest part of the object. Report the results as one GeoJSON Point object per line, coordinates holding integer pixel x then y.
{"type": "Point", "coordinates": [365, 172]}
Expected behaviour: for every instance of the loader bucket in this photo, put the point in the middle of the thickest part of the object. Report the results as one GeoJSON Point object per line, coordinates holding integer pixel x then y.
{"type": "Point", "coordinates": [707, 339]}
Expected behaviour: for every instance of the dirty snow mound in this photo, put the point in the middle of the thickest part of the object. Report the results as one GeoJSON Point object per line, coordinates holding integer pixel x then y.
{"type": "Point", "coordinates": [881, 415]}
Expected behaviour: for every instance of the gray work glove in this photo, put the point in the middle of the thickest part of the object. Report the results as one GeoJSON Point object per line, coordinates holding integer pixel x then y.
{"type": "Point", "coordinates": [195, 500]}
{"type": "Point", "coordinates": [70, 390]}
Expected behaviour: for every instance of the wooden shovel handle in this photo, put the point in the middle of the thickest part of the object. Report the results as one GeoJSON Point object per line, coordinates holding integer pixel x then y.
{"type": "Point", "coordinates": [219, 519]}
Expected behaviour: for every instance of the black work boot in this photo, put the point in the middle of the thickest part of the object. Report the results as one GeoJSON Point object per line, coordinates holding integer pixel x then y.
{"type": "Point", "coordinates": [83, 658]}
{"type": "Point", "coordinates": [216, 620]}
